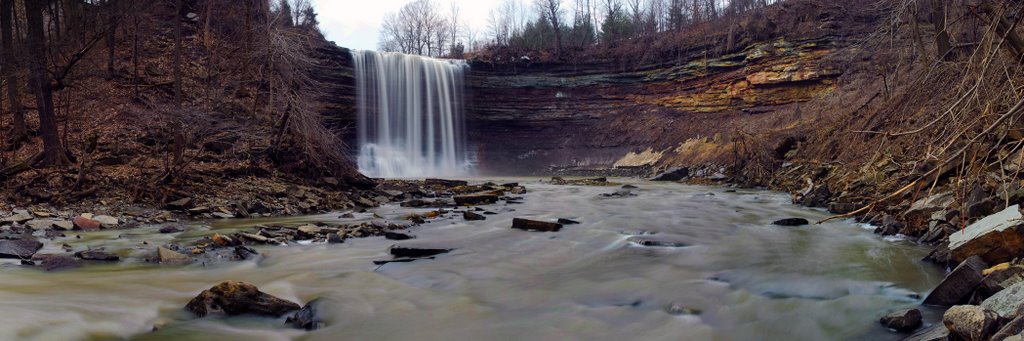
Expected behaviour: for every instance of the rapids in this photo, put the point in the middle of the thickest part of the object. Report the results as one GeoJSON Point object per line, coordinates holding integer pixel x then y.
{"type": "Point", "coordinates": [740, 278]}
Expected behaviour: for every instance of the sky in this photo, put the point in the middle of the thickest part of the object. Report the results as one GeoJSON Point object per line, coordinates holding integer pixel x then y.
{"type": "Point", "coordinates": [356, 23]}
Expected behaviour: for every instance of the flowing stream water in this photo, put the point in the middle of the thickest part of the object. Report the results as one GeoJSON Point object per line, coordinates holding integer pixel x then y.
{"type": "Point", "coordinates": [739, 278]}
{"type": "Point", "coordinates": [410, 115]}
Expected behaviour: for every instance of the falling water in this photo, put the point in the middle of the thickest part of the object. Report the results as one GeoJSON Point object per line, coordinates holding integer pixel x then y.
{"type": "Point", "coordinates": [410, 115]}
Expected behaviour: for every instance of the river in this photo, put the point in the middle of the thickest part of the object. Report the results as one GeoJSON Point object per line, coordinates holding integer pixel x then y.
{"type": "Point", "coordinates": [738, 278]}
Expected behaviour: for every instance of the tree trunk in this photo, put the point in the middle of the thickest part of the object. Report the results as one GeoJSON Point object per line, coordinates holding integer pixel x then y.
{"type": "Point", "coordinates": [177, 54]}
{"type": "Point", "coordinates": [53, 151]}
{"type": "Point", "coordinates": [942, 44]}
{"type": "Point", "coordinates": [19, 133]}
{"type": "Point", "coordinates": [112, 18]}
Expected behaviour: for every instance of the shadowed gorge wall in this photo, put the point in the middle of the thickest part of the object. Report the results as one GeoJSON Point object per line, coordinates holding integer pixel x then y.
{"type": "Point", "coordinates": [559, 118]}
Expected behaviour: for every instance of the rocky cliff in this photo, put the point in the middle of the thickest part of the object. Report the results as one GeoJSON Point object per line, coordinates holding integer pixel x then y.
{"type": "Point", "coordinates": [561, 118]}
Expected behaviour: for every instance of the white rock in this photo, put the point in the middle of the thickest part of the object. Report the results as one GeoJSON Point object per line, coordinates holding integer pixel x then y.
{"type": "Point", "coordinates": [107, 221]}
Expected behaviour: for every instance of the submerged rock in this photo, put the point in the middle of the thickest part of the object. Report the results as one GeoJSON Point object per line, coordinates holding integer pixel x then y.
{"type": "Point", "coordinates": [51, 262]}
{"type": "Point", "coordinates": [98, 255]}
{"type": "Point", "coordinates": [971, 322]}
{"type": "Point", "coordinates": [170, 229]}
{"type": "Point", "coordinates": [958, 284]}
{"type": "Point", "coordinates": [657, 241]}
{"type": "Point", "coordinates": [534, 225]}
{"type": "Point", "coordinates": [902, 321]}
{"type": "Point", "coordinates": [396, 236]}
{"type": "Point", "coordinates": [310, 317]}
{"type": "Point", "coordinates": [473, 216]}
{"type": "Point", "coordinates": [19, 248]}
{"type": "Point", "coordinates": [170, 257]}
{"type": "Point", "coordinates": [565, 221]}
{"type": "Point", "coordinates": [237, 298]}
{"type": "Point", "coordinates": [997, 238]}
{"type": "Point", "coordinates": [936, 332]}
{"type": "Point", "coordinates": [791, 222]}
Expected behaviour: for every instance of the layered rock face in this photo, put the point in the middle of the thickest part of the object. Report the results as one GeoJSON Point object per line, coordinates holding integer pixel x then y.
{"type": "Point", "coordinates": [602, 118]}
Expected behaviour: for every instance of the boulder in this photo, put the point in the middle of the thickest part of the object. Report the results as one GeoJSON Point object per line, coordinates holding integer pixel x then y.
{"type": "Point", "coordinates": [936, 332]}
{"type": "Point", "coordinates": [903, 321]}
{"type": "Point", "coordinates": [19, 248]}
{"type": "Point", "coordinates": [473, 216]}
{"type": "Point", "coordinates": [1000, 277]}
{"type": "Point", "coordinates": [791, 222]}
{"type": "Point", "coordinates": [334, 238]}
{"type": "Point", "coordinates": [86, 224]}
{"type": "Point", "coordinates": [673, 174]}
{"type": "Point", "coordinates": [958, 284]}
{"type": "Point", "coordinates": [168, 256]}
{"type": "Point", "coordinates": [310, 317]}
{"type": "Point", "coordinates": [534, 225]}
{"type": "Point", "coordinates": [479, 198]}
{"type": "Point", "coordinates": [996, 238]}
{"type": "Point", "coordinates": [1005, 302]}
{"type": "Point", "coordinates": [921, 210]}
{"type": "Point", "coordinates": [98, 255]}
{"type": "Point", "coordinates": [971, 322]}
{"type": "Point", "coordinates": [818, 197]}
{"type": "Point", "coordinates": [237, 298]}
{"type": "Point", "coordinates": [1014, 327]}
{"type": "Point", "coordinates": [890, 226]}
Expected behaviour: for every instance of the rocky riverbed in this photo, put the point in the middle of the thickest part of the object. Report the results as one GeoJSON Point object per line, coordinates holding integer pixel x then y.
{"type": "Point", "coordinates": [569, 258]}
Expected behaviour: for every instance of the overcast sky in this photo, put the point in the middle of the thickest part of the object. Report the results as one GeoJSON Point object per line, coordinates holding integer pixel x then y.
{"type": "Point", "coordinates": [356, 23]}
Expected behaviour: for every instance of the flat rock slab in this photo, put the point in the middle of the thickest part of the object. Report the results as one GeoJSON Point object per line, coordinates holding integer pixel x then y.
{"type": "Point", "coordinates": [445, 183]}
{"type": "Point", "coordinates": [236, 298]}
{"type": "Point", "coordinates": [414, 252]}
{"type": "Point", "coordinates": [534, 225]}
{"type": "Point", "coordinates": [19, 248]}
{"type": "Point", "coordinates": [937, 332]}
{"type": "Point", "coordinates": [791, 222]}
{"type": "Point", "coordinates": [996, 238]}
{"type": "Point", "coordinates": [479, 198]}
{"type": "Point", "coordinates": [396, 236]}
{"type": "Point", "coordinates": [959, 284]}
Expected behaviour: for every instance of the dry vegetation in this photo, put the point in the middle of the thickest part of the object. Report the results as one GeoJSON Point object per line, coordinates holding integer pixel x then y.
{"type": "Point", "coordinates": [157, 100]}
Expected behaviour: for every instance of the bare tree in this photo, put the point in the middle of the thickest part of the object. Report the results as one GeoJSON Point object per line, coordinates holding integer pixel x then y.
{"type": "Point", "coordinates": [552, 9]}
{"type": "Point", "coordinates": [19, 133]}
{"type": "Point", "coordinates": [417, 28]}
{"type": "Point", "coordinates": [53, 151]}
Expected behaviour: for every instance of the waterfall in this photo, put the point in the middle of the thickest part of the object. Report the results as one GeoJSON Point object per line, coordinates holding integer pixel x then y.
{"type": "Point", "coordinates": [410, 115]}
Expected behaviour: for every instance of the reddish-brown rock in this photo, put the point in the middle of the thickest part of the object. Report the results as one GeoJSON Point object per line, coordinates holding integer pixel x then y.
{"type": "Point", "coordinates": [86, 224]}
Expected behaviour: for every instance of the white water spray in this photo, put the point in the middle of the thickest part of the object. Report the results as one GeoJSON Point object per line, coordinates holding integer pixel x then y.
{"type": "Point", "coordinates": [410, 115]}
